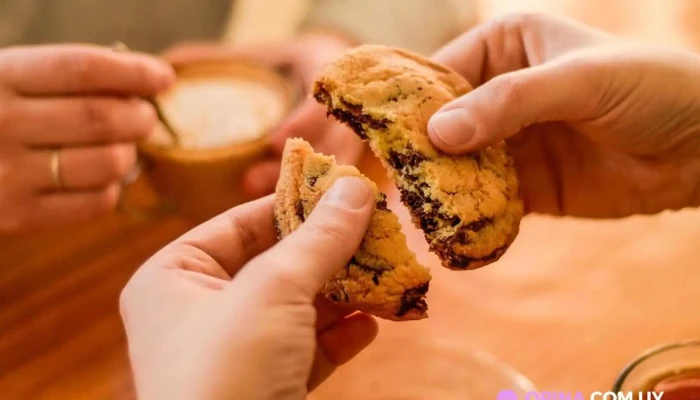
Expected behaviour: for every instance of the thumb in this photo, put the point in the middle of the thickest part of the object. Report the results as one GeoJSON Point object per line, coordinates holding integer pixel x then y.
{"type": "Point", "coordinates": [510, 102]}
{"type": "Point", "coordinates": [302, 262]}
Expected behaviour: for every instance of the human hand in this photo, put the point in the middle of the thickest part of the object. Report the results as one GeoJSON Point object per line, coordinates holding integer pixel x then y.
{"type": "Point", "coordinates": [68, 122]}
{"type": "Point", "coordinates": [224, 312]}
{"type": "Point", "coordinates": [598, 126]}
{"type": "Point", "coordinates": [303, 58]}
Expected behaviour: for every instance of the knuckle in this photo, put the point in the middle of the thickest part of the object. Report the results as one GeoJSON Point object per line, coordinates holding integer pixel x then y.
{"type": "Point", "coordinates": [140, 73]}
{"type": "Point", "coordinates": [332, 230]}
{"type": "Point", "coordinates": [508, 90]}
{"type": "Point", "coordinates": [125, 299]}
{"type": "Point", "coordinates": [98, 115]}
{"type": "Point", "coordinates": [130, 294]}
{"type": "Point", "coordinates": [106, 201]}
{"type": "Point", "coordinates": [245, 234]}
{"type": "Point", "coordinates": [145, 118]}
{"type": "Point", "coordinates": [520, 20]}
{"type": "Point", "coordinates": [6, 104]}
{"type": "Point", "coordinates": [116, 161]}
{"type": "Point", "coordinates": [138, 289]}
{"type": "Point", "coordinates": [285, 277]}
{"type": "Point", "coordinates": [83, 66]}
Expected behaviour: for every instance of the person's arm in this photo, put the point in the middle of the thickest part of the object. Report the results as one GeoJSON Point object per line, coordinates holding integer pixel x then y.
{"type": "Point", "coordinates": [418, 25]}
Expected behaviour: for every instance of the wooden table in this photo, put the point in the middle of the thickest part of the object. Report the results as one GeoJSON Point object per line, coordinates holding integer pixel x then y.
{"type": "Point", "coordinates": [568, 305]}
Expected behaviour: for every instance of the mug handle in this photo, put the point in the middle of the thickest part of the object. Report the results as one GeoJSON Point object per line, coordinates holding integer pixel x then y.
{"type": "Point", "coordinates": [162, 208]}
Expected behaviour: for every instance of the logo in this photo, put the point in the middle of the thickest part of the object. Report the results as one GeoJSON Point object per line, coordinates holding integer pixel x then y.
{"type": "Point", "coordinates": [511, 395]}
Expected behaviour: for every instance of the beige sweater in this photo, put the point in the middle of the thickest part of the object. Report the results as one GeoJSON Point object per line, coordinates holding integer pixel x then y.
{"type": "Point", "coordinates": [153, 25]}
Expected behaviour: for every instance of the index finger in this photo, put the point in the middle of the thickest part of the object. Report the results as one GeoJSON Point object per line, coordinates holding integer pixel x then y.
{"type": "Point", "coordinates": [234, 237]}
{"type": "Point", "coordinates": [82, 69]}
{"type": "Point", "coordinates": [515, 41]}
{"type": "Point", "coordinates": [490, 49]}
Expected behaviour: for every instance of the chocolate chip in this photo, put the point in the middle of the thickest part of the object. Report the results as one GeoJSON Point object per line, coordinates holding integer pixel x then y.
{"type": "Point", "coordinates": [410, 158]}
{"type": "Point", "coordinates": [350, 120]}
{"type": "Point", "coordinates": [395, 160]}
{"type": "Point", "coordinates": [476, 156]}
{"type": "Point", "coordinates": [300, 211]}
{"type": "Point", "coordinates": [353, 117]}
{"type": "Point", "coordinates": [381, 204]}
{"type": "Point", "coordinates": [355, 108]}
{"type": "Point", "coordinates": [428, 224]}
{"type": "Point", "coordinates": [357, 111]}
{"type": "Point", "coordinates": [394, 99]}
{"type": "Point", "coordinates": [445, 245]}
{"type": "Point", "coordinates": [377, 123]}
{"type": "Point", "coordinates": [461, 261]}
{"type": "Point", "coordinates": [420, 88]}
{"type": "Point", "coordinates": [454, 220]}
{"type": "Point", "coordinates": [338, 296]}
{"type": "Point", "coordinates": [460, 237]}
{"type": "Point", "coordinates": [479, 224]}
{"type": "Point", "coordinates": [413, 299]}
{"type": "Point", "coordinates": [376, 272]}
{"type": "Point", "coordinates": [412, 200]}
{"type": "Point", "coordinates": [322, 95]}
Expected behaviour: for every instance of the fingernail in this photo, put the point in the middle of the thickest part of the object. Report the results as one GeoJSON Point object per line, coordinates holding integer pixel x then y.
{"type": "Point", "coordinates": [347, 192]}
{"type": "Point", "coordinates": [453, 127]}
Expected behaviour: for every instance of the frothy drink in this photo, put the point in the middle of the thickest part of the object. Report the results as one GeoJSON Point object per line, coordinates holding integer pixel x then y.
{"type": "Point", "coordinates": [221, 112]}
{"type": "Point", "coordinates": [215, 110]}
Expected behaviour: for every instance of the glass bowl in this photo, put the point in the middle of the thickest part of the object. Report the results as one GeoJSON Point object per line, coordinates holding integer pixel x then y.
{"type": "Point", "coordinates": [422, 368]}
{"type": "Point", "coordinates": [672, 366]}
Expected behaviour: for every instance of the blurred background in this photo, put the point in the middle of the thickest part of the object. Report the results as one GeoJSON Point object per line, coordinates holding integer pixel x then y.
{"type": "Point", "coordinates": [596, 287]}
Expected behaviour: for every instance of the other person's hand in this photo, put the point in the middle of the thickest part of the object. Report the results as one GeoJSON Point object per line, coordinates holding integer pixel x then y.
{"type": "Point", "coordinates": [303, 58]}
{"type": "Point", "coordinates": [69, 118]}
{"type": "Point", "coordinates": [598, 126]}
{"type": "Point", "coordinates": [227, 312]}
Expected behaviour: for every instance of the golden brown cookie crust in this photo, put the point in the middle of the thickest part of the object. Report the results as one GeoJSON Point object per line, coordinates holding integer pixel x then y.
{"type": "Point", "coordinates": [383, 278]}
{"type": "Point", "coordinates": [468, 206]}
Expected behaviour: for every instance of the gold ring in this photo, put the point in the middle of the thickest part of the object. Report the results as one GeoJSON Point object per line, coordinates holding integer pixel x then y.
{"type": "Point", "coordinates": [55, 167]}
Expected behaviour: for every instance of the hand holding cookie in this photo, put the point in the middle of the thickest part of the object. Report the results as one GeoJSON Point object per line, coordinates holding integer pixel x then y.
{"type": "Point", "coordinates": [598, 126]}
{"type": "Point", "coordinates": [226, 311]}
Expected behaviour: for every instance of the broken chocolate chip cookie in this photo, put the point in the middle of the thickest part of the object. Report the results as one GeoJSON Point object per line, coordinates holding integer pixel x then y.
{"type": "Point", "coordinates": [468, 206]}
{"type": "Point", "coordinates": [383, 278]}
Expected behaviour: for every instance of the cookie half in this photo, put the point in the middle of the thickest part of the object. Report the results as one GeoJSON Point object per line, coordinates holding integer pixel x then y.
{"type": "Point", "coordinates": [383, 278]}
{"type": "Point", "coordinates": [468, 206]}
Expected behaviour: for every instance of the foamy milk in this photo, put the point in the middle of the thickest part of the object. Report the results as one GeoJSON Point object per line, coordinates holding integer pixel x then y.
{"type": "Point", "coordinates": [221, 111]}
